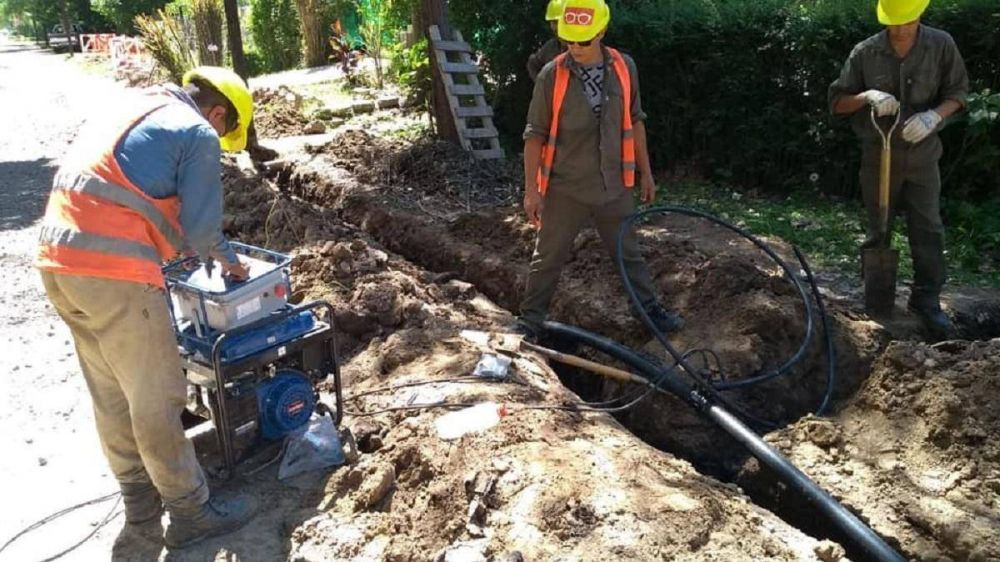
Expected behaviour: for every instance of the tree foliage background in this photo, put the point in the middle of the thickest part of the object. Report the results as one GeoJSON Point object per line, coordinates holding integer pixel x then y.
{"type": "Point", "coordinates": [736, 89]}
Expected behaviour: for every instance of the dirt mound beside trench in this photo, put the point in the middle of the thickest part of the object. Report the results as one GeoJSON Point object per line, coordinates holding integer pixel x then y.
{"type": "Point", "coordinates": [914, 453]}
{"type": "Point", "coordinates": [278, 113]}
{"type": "Point", "coordinates": [542, 484]}
{"type": "Point", "coordinates": [735, 301]}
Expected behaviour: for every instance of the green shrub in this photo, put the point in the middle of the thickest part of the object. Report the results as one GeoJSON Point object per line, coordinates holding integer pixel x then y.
{"type": "Point", "coordinates": [276, 36]}
{"type": "Point", "coordinates": [410, 68]}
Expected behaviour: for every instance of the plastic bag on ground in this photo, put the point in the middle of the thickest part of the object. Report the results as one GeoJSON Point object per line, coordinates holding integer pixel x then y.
{"type": "Point", "coordinates": [314, 446]}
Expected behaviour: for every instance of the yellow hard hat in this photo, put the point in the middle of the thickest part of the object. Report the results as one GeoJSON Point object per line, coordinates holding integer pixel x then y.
{"type": "Point", "coordinates": [582, 20]}
{"type": "Point", "coordinates": [554, 10]}
{"type": "Point", "coordinates": [235, 89]}
{"type": "Point", "coordinates": [899, 12]}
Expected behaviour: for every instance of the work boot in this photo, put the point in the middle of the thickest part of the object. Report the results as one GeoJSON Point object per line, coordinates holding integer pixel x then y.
{"type": "Point", "coordinates": [934, 319]}
{"type": "Point", "coordinates": [664, 320]}
{"type": "Point", "coordinates": [213, 518]}
{"type": "Point", "coordinates": [143, 528]}
{"type": "Point", "coordinates": [142, 502]}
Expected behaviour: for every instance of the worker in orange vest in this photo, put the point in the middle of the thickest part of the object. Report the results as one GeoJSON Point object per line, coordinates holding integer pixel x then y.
{"type": "Point", "coordinates": [583, 143]}
{"type": "Point", "coordinates": [136, 188]}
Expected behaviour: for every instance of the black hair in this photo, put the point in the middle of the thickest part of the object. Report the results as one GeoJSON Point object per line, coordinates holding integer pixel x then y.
{"type": "Point", "coordinates": [207, 96]}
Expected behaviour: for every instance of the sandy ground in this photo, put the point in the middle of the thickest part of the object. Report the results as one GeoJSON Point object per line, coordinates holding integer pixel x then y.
{"type": "Point", "coordinates": [52, 458]}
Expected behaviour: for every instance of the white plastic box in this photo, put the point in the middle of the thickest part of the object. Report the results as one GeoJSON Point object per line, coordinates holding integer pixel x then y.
{"type": "Point", "coordinates": [228, 304]}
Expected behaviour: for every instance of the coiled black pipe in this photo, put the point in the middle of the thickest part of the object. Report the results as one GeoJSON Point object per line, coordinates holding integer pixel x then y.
{"type": "Point", "coordinates": [860, 534]}
{"type": "Point", "coordinates": [712, 388]}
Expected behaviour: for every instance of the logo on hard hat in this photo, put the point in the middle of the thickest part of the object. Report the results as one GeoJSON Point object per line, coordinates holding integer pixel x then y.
{"type": "Point", "coordinates": [578, 16]}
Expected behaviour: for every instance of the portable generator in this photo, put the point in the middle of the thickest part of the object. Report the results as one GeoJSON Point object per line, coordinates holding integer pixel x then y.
{"type": "Point", "coordinates": [252, 360]}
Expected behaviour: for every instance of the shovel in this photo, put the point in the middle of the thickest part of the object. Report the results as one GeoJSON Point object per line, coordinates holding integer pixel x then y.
{"type": "Point", "coordinates": [879, 264]}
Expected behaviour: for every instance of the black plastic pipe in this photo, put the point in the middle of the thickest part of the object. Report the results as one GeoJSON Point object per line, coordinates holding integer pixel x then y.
{"type": "Point", "coordinates": [873, 546]}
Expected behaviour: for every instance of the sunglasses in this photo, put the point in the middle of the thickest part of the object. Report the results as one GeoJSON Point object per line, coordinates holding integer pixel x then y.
{"type": "Point", "coordinates": [580, 43]}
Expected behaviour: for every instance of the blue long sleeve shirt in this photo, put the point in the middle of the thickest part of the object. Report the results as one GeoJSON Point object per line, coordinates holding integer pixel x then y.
{"type": "Point", "coordinates": [175, 151]}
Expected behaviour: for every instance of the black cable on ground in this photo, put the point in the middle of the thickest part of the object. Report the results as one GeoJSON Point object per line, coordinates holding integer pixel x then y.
{"type": "Point", "coordinates": [50, 518]}
{"type": "Point", "coordinates": [711, 389]}
{"type": "Point", "coordinates": [862, 535]}
{"type": "Point", "coordinates": [831, 352]}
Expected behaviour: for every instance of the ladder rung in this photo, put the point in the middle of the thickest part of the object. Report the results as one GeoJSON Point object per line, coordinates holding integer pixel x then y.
{"type": "Point", "coordinates": [459, 68]}
{"type": "Point", "coordinates": [467, 90]}
{"type": "Point", "coordinates": [457, 46]}
{"type": "Point", "coordinates": [481, 133]}
{"type": "Point", "coordinates": [475, 111]}
{"type": "Point", "coordinates": [488, 154]}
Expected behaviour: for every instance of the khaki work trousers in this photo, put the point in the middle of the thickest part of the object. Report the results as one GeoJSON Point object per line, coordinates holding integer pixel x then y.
{"type": "Point", "coordinates": [562, 219]}
{"type": "Point", "coordinates": [914, 192]}
{"type": "Point", "coordinates": [128, 354]}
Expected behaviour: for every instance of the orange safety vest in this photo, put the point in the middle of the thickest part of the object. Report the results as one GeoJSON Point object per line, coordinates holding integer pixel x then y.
{"type": "Point", "coordinates": [559, 94]}
{"type": "Point", "coordinates": [97, 222]}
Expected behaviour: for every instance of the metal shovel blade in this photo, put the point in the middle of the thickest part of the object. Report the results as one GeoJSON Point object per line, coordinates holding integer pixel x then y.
{"type": "Point", "coordinates": [880, 266]}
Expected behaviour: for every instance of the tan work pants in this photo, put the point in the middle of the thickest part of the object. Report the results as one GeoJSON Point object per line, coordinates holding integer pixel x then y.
{"type": "Point", "coordinates": [128, 354]}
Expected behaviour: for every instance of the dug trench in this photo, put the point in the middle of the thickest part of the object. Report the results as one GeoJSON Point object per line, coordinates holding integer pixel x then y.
{"type": "Point", "coordinates": [545, 483]}
{"type": "Point", "coordinates": [406, 199]}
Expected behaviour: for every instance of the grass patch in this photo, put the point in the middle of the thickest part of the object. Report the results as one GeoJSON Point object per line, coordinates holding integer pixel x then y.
{"type": "Point", "coordinates": [324, 94]}
{"type": "Point", "coordinates": [830, 230]}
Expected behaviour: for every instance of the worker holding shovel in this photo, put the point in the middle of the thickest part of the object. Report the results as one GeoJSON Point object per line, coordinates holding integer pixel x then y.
{"type": "Point", "coordinates": [584, 141]}
{"type": "Point", "coordinates": [139, 185]}
{"type": "Point", "coordinates": [914, 73]}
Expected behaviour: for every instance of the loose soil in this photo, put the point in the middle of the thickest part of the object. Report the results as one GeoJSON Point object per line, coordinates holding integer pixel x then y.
{"type": "Point", "coordinates": [543, 484]}
{"type": "Point", "coordinates": [278, 113]}
{"type": "Point", "coordinates": [913, 453]}
{"type": "Point", "coordinates": [736, 302]}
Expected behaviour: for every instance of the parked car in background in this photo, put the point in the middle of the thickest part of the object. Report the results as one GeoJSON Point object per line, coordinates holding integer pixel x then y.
{"type": "Point", "coordinates": [59, 41]}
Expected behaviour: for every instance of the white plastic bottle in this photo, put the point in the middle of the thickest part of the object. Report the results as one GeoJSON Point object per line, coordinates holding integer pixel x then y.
{"type": "Point", "coordinates": [475, 419]}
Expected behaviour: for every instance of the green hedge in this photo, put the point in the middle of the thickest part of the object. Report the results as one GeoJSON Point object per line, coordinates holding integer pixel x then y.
{"type": "Point", "coordinates": [737, 88]}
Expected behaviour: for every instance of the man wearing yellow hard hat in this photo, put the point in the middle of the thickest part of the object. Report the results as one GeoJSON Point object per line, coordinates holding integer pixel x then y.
{"type": "Point", "coordinates": [551, 48]}
{"type": "Point", "coordinates": [917, 71]}
{"type": "Point", "coordinates": [139, 185]}
{"type": "Point", "coordinates": [584, 143]}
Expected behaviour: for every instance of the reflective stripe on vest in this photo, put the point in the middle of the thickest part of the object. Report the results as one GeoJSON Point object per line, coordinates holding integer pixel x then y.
{"type": "Point", "coordinates": [96, 187]}
{"type": "Point", "coordinates": [98, 223]}
{"type": "Point", "coordinates": [548, 155]}
{"type": "Point", "coordinates": [60, 236]}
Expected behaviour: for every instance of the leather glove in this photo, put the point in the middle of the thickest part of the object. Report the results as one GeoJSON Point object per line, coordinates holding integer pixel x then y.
{"type": "Point", "coordinates": [884, 103]}
{"type": "Point", "coordinates": [920, 125]}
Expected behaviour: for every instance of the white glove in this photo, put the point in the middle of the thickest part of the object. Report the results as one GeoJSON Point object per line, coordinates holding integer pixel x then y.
{"type": "Point", "coordinates": [920, 125]}
{"type": "Point", "coordinates": [884, 103]}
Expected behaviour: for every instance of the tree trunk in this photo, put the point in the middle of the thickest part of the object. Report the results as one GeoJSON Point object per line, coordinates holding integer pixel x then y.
{"type": "Point", "coordinates": [257, 152]}
{"type": "Point", "coordinates": [313, 32]}
{"type": "Point", "coordinates": [67, 24]}
{"type": "Point", "coordinates": [235, 38]}
{"type": "Point", "coordinates": [435, 12]}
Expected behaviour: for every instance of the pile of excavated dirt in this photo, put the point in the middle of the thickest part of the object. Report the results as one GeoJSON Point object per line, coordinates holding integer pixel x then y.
{"type": "Point", "coordinates": [736, 302]}
{"type": "Point", "coordinates": [434, 176]}
{"type": "Point", "coordinates": [278, 113]}
{"type": "Point", "coordinates": [542, 484]}
{"type": "Point", "coordinates": [914, 453]}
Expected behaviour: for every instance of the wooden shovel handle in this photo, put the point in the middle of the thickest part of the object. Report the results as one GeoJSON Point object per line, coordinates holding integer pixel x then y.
{"type": "Point", "coordinates": [603, 370]}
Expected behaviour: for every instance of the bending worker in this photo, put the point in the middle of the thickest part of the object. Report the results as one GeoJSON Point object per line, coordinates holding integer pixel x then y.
{"type": "Point", "coordinates": [916, 70]}
{"type": "Point", "coordinates": [584, 141]}
{"type": "Point", "coordinates": [551, 48]}
{"type": "Point", "coordinates": [138, 187]}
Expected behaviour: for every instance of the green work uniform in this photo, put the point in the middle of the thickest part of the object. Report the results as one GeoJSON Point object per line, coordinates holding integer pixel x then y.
{"type": "Point", "coordinates": [932, 72]}
{"type": "Point", "coordinates": [542, 56]}
{"type": "Point", "coordinates": [585, 182]}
